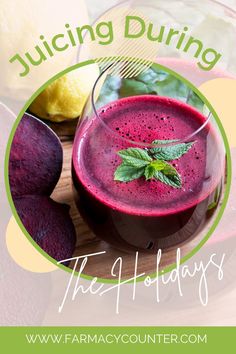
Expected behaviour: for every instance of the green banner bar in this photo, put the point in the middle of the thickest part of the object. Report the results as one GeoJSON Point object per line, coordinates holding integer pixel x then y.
{"type": "Point", "coordinates": [116, 339]}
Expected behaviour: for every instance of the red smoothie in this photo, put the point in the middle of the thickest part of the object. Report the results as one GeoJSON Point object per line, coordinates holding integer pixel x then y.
{"type": "Point", "coordinates": [144, 214]}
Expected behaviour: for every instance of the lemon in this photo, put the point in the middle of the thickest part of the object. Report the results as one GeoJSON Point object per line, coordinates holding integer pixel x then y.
{"type": "Point", "coordinates": [65, 97]}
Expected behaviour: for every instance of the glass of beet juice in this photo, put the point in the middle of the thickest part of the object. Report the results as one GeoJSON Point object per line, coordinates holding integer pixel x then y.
{"type": "Point", "coordinates": [147, 170]}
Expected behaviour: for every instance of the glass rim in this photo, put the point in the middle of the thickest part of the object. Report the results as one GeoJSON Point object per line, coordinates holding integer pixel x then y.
{"type": "Point", "coordinates": [227, 7]}
{"type": "Point", "coordinates": [123, 2]}
{"type": "Point", "coordinates": [139, 143]}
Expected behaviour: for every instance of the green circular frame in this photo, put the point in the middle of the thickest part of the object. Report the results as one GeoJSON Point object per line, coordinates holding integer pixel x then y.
{"type": "Point", "coordinates": [168, 268]}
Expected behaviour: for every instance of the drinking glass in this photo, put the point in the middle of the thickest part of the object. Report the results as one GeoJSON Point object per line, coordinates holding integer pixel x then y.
{"type": "Point", "coordinates": [154, 113]}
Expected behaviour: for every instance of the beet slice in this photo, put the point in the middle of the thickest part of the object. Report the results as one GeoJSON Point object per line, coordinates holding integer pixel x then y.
{"type": "Point", "coordinates": [49, 224]}
{"type": "Point", "coordinates": [35, 158]}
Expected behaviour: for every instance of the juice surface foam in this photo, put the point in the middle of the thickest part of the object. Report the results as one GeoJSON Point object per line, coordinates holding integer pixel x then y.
{"type": "Point", "coordinates": [144, 119]}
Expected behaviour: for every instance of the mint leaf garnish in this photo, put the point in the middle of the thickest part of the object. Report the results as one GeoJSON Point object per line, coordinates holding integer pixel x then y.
{"type": "Point", "coordinates": [127, 173]}
{"type": "Point", "coordinates": [169, 176]}
{"type": "Point", "coordinates": [152, 163]}
{"type": "Point", "coordinates": [169, 153]}
{"type": "Point", "coordinates": [149, 172]}
{"type": "Point", "coordinates": [135, 157]}
{"type": "Point", "coordinates": [154, 166]}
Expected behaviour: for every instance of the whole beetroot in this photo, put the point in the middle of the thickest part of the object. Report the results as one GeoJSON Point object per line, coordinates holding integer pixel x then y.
{"type": "Point", "coordinates": [36, 156]}
{"type": "Point", "coordinates": [49, 224]}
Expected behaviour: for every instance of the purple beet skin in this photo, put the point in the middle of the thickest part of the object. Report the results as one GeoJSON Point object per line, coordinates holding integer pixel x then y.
{"type": "Point", "coordinates": [49, 224]}
{"type": "Point", "coordinates": [35, 158]}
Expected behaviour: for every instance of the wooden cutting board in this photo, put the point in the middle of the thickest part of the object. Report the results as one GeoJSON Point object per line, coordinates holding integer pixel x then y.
{"type": "Point", "coordinates": [87, 242]}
